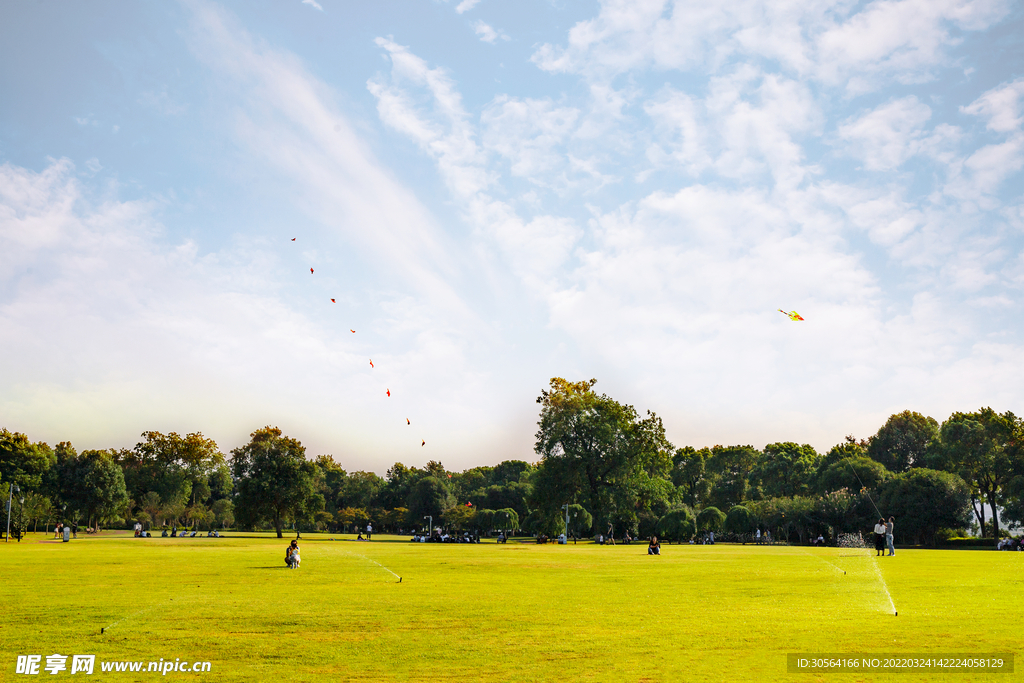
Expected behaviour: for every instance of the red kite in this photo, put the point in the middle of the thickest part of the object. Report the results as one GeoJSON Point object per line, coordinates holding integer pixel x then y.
{"type": "Point", "coordinates": [333, 301]}
{"type": "Point", "coordinates": [389, 393]}
{"type": "Point", "coordinates": [293, 239]}
{"type": "Point", "coordinates": [449, 476]}
{"type": "Point", "coordinates": [469, 505]}
{"type": "Point", "coordinates": [424, 443]}
{"type": "Point", "coordinates": [407, 421]}
{"type": "Point", "coordinates": [311, 270]}
{"type": "Point", "coordinates": [371, 362]}
{"type": "Point", "coordinates": [791, 315]}
{"type": "Point", "coordinates": [352, 331]}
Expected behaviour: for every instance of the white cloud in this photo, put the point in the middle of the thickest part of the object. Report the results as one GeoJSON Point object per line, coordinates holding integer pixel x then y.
{"type": "Point", "coordinates": [534, 249]}
{"type": "Point", "coordinates": [487, 33]}
{"type": "Point", "coordinates": [528, 133]}
{"type": "Point", "coordinates": [888, 135]}
{"type": "Point", "coordinates": [901, 40]}
{"type": "Point", "coordinates": [466, 5]}
{"type": "Point", "coordinates": [1002, 106]}
{"type": "Point", "coordinates": [313, 3]}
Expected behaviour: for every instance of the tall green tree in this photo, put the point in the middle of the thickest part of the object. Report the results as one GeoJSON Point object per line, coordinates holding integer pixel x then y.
{"type": "Point", "coordinates": [429, 497]}
{"type": "Point", "coordinates": [605, 448]}
{"type": "Point", "coordinates": [981, 448]}
{"type": "Point", "coordinates": [786, 469]}
{"type": "Point", "coordinates": [22, 462]}
{"type": "Point", "coordinates": [924, 501]}
{"type": "Point", "coordinates": [902, 441]}
{"type": "Point", "coordinates": [852, 474]}
{"type": "Point", "coordinates": [360, 490]}
{"type": "Point", "coordinates": [729, 468]}
{"type": "Point", "coordinates": [90, 484]}
{"type": "Point", "coordinates": [275, 481]}
{"type": "Point", "coordinates": [690, 476]}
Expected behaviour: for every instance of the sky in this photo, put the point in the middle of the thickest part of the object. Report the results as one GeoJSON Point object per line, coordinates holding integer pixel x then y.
{"type": "Point", "coordinates": [495, 194]}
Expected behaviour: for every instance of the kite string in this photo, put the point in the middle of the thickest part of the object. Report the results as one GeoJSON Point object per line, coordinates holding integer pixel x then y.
{"type": "Point", "coordinates": [863, 488]}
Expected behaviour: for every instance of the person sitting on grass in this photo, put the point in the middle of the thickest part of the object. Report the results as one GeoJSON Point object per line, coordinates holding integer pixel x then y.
{"type": "Point", "coordinates": [291, 555]}
{"type": "Point", "coordinates": [654, 547]}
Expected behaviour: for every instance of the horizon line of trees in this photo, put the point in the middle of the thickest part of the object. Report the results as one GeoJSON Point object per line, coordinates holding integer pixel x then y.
{"type": "Point", "coordinates": [612, 466]}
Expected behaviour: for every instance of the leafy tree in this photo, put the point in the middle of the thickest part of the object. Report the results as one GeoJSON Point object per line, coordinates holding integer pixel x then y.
{"type": "Point", "coordinates": [398, 486]}
{"type": "Point", "coordinates": [275, 480]}
{"type": "Point", "coordinates": [511, 495]}
{"type": "Point", "coordinates": [902, 441]}
{"type": "Point", "coordinates": [429, 497]}
{"type": "Point", "coordinates": [785, 469]}
{"type": "Point", "coordinates": [852, 474]}
{"type": "Point", "coordinates": [981, 448]}
{"type": "Point", "coordinates": [458, 517]}
{"type": "Point", "coordinates": [360, 490]}
{"type": "Point", "coordinates": [38, 508]}
{"type": "Point", "coordinates": [395, 519]}
{"type": "Point", "coordinates": [22, 462]}
{"type": "Point", "coordinates": [729, 468]}
{"type": "Point", "coordinates": [689, 474]}
{"type": "Point", "coordinates": [332, 477]}
{"type": "Point", "coordinates": [710, 519]}
{"type": "Point", "coordinates": [323, 519]}
{"type": "Point", "coordinates": [603, 447]}
{"type": "Point", "coordinates": [223, 512]}
{"type": "Point", "coordinates": [91, 484]}
{"type": "Point", "coordinates": [740, 520]}
{"type": "Point", "coordinates": [580, 521]}
{"type": "Point", "coordinates": [176, 467]}
{"type": "Point", "coordinates": [677, 525]}
{"type": "Point", "coordinates": [485, 519]}
{"type": "Point", "coordinates": [849, 449]}
{"type": "Point", "coordinates": [152, 506]}
{"type": "Point", "coordinates": [836, 510]}
{"type": "Point", "coordinates": [924, 501]}
{"type": "Point", "coordinates": [506, 519]}
{"type": "Point", "coordinates": [510, 472]}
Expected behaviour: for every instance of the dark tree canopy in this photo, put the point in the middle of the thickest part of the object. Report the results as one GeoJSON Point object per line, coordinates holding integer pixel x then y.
{"type": "Point", "coordinates": [22, 462]}
{"type": "Point", "coordinates": [924, 501]}
{"type": "Point", "coordinates": [903, 440]}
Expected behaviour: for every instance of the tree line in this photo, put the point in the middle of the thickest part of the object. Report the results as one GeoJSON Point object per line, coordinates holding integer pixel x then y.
{"type": "Point", "coordinates": [601, 463]}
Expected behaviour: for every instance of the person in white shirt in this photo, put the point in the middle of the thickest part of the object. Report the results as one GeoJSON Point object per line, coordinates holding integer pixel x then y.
{"type": "Point", "coordinates": [880, 537]}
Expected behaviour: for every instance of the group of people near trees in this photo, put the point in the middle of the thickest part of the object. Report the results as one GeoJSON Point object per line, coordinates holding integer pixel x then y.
{"type": "Point", "coordinates": [615, 468]}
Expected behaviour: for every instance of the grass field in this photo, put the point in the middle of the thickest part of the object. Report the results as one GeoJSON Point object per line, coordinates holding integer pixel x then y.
{"type": "Point", "coordinates": [515, 612]}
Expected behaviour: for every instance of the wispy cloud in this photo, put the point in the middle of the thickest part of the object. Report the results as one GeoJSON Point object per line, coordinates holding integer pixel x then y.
{"type": "Point", "coordinates": [313, 3]}
{"type": "Point", "coordinates": [487, 33]}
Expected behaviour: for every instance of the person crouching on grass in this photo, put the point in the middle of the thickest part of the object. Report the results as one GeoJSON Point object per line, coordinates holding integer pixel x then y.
{"type": "Point", "coordinates": [654, 547]}
{"type": "Point", "coordinates": [291, 555]}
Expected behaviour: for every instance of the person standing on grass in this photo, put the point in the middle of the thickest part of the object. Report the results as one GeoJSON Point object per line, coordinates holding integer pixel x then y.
{"type": "Point", "coordinates": [880, 537]}
{"type": "Point", "coordinates": [888, 535]}
{"type": "Point", "coordinates": [369, 530]}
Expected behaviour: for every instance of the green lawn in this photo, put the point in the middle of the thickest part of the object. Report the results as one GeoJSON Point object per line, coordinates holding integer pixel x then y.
{"type": "Point", "coordinates": [515, 612]}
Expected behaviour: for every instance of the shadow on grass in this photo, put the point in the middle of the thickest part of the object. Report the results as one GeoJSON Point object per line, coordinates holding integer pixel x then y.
{"type": "Point", "coordinates": [285, 567]}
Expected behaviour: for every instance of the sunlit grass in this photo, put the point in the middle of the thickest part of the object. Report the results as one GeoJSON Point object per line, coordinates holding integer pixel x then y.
{"type": "Point", "coordinates": [515, 612]}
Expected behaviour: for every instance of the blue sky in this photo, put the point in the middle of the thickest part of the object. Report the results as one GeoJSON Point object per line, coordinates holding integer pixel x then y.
{"type": "Point", "coordinates": [499, 193]}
